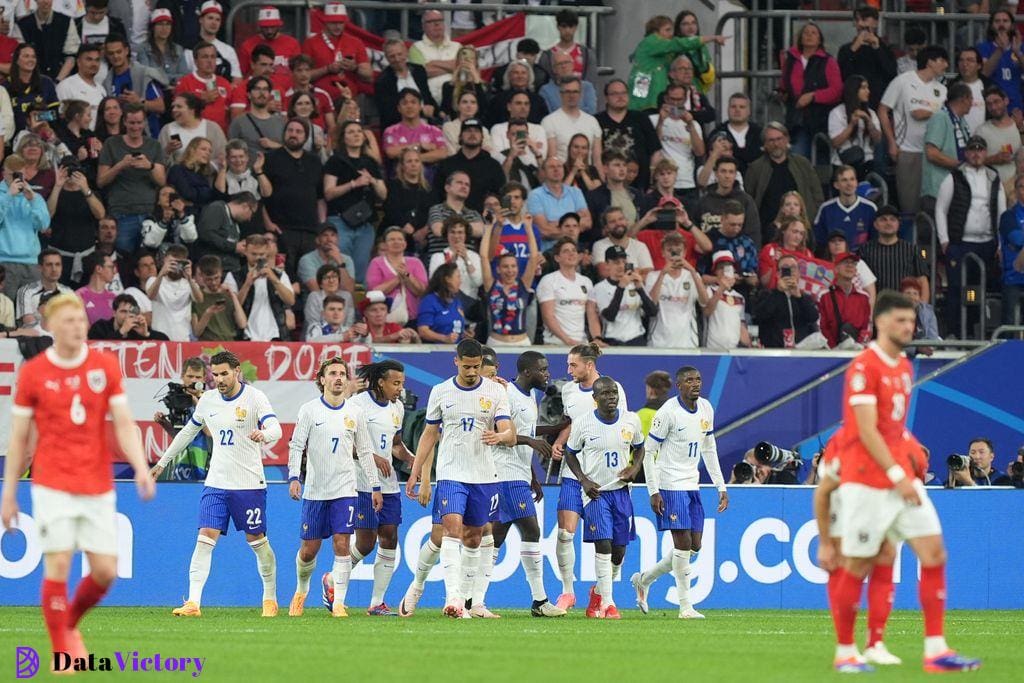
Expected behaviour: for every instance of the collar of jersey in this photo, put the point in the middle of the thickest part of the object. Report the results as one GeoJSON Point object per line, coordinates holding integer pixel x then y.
{"type": "Point", "coordinates": [600, 419]}
{"type": "Point", "coordinates": [458, 386]}
{"type": "Point", "coordinates": [683, 405]}
{"type": "Point", "coordinates": [241, 388]}
{"type": "Point", "coordinates": [67, 363]}
{"type": "Point", "coordinates": [329, 406]}
{"type": "Point", "coordinates": [528, 394]}
{"type": "Point", "coordinates": [373, 398]}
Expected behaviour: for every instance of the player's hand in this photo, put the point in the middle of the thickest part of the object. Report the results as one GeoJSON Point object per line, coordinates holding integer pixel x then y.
{"type": "Point", "coordinates": [557, 451]}
{"type": "Point", "coordinates": [907, 491]}
{"type": "Point", "coordinates": [592, 490]}
{"type": "Point", "coordinates": [145, 485]}
{"type": "Point", "coordinates": [257, 436]}
{"type": "Point", "coordinates": [378, 500]}
{"type": "Point", "coordinates": [827, 558]}
{"type": "Point", "coordinates": [629, 474]}
{"type": "Point", "coordinates": [383, 465]}
{"type": "Point", "coordinates": [657, 504]}
{"type": "Point", "coordinates": [9, 512]}
{"type": "Point", "coordinates": [541, 446]}
{"type": "Point", "coordinates": [410, 485]}
{"type": "Point", "coordinates": [500, 380]}
{"type": "Point", "coordinates": [491, 437]}
{"type": "Point", "coordinates": [538, 491]}
{"type": "Point", "coordinates": [424, 497]}
{"type": "Point", "coordinates": [723, 501]}
{"type": "Point", "coordinates": [155, 471]}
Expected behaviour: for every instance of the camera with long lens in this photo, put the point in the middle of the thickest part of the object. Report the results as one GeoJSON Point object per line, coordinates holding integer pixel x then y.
{"type": "Point", "coordinates": [773, 456]}
{"type": "Point", "coordinates": [179, 402]}
{"type": "Point", "coordinates": [551, 407]}
{"type": "Point", "coordinates": [957, 462]}
{"type": "Point", "coordinates": [409, 400]}
{"type": "Point", "coordinates": [743, 473]}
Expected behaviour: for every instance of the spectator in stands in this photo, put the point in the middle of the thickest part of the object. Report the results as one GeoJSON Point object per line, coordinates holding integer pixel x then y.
{"type": "Point", "coordinates": [23, 214]}
{"type": "Point", "coordinates": [868, 55]}
{"type": "Point", "coordinates": [790, 239]}
{"type": "Point", "coordinates": [170, 222]}
{"type": "Point", "coordinates": [968, 68]}
{"type": "Point", "coordinates": [436, 52]}
{"type": "Point", "coordinates": [725, 327]}
{"type": "Point", "coordinates": [82, 85]}
{"type": "Point", "coordinates": [518, 107]}
{"type": "Point", "coordinates": [854, 128]}
{"type": "Point", "coordinates": [193, 176]}
{"type": "Point", "coordinates": [133, 83]}
{"type": "Point", "coordinates": [728, 236]}
{"type": "Point", "coordinates": [54, 36]}
{"type": "Point", "coordinates": [584, 60]}
{"type": "Point", "coordinates": [128, 322]}
{"type": "Point", "coordinates": [414, 131]}
{"type": "Point", "coordinates": [549, 202]}
{"type": "Point", "coordinates": [297, 206]}
{"type": "Point", "coordinates": [847, 211]}
{"type": "Point", "coordinates": [465, 78]}
{"type": "Point", "coordinates": [1001, 134]}
{"type": "Point", "coordinates": [724, 190]}
{"type": "Point", "coordinates": [663, 213]}
{"type": "Point", "coordinates": [893, 259]}
{"type": "Point", "coordinates": [785, 314]}
{"type": "Point", "coordinates": [519, 78]}
{"type": "Point", "coordinates": [675, 290]}
{"type": "Point", "coordinates": [527, 50]}
{"type": "Point", "coordinates": [302, 82]}
{"type": "Point", "coordinates": [375, 308]}
{"type": "Point", "coordinates": [982, 453]}
{"type": "Point", "coordinates": [518, 158]}
{"type": "Point", "coordinates": [220, 232]}
{"type": "Point", "coordinates": [111, 119]}
{"type": "Point", "coordinates": [326, 253]}
{"type": "Point", "coordinates": [1011, 246]}
{"type": "Point", "coordinates": [455, 229]}
{"type": "Point", "coordinates": [172, 292]}
{"type": "Point", "coordinates": [619, 303]}
{"type": "Point", "coordinates": [457, 191]}
{"type": "Point", "coordinates": [681, 72]}
{"type": "Point", "coordinates": [579, 171]}
{"type": "Point", "coordinates": [616, 229]}
{"type": "Point", "coordinates": [265, 292]}
{"type": "Point", "coordinates": [236, 176]}
{"type": "Point", "coordinates": [409, 197]}
{"type": "Point", "coordinates": [649, 75]}
{"type": "Point", "coordinates": [269, 25]}
{"type": "Point", "coordinates": [967, 211]}
{"type": "Point", "coordinates": [777, 172]}
{"type": "Point", "coordinates": [792, 206]}
{"type": "Point", "coordinates": [211, 88]}
{"type": "Point", "coordinates": [944, 141]}
{"type": "Point", "coordinates": [303, 106]}
{"type": "Point", "coordinates": [99, 271]}
{"type": "Point", "coordinates": [259, 127]}
{"type": "Point", "coordinates": [914, 40]}
{"type": "Point", "coordinates": [441, 318]}
{"type": "Point", "coordinates": [74, 132]}
{"type": "Point", "coordinates": [909, 102]}
{"type": "Point", "coordinates": [562, 295]}
{"type": "Point", "coordinates": [927, 325]}
{"type": "Point", "coordinates": [401, 277]}
{"type": "Point", "coordinates": [625, 131]}
{"type": "Point", "coordinates": [160, 51]}
{"type": "Point", "coordinates": [615, 191]}
{"type": "Point", "coordinates": [686, 26]}
{"type": "Point", "coordinates": [38, 171]}
{"type": "Point", "coordinates": [187, 124]}
{"type": "Point", "coordinates": [28, 86]}
{"type": "Point", "coordinates": [97, 23]}
{"type": "Point", "coordinates": [6, 307]}
{"type": "Point", "coordinates": [331, 327]}
{"type": "Point", "coordinates": [211, 17]}
{"type": "Point", "coordinates": [74, 210]}
{"type": "Point", "coordinates": [399, 74]}
{"type": "Point", "coordinates": [562, 124]}
{"type": "Point", "coordinates": [811, 84]}
{"type": "Point", "coordinates": [681, 140]}
{"type": "Point", "coordinates": [219, 316]}
{"type": "Point", "coordinates": [486, 173]}
{"type": "Point", "coordinates": [718, 146]}
{"type": "Point", "coordinates": [26, 301]}
{"type": "Point", "coordinates": [744, 134]}
{"type": "Point", "coordinates": [144, 268]}
{"type": "Point", "coordinates": [845, 313]}
{"type": "Point", "coordinates": [1002, 55]}
{"type": "Point", "coordinates": [563, 66]}
{"type": "Point", "coordinates": [329, 281]}
{"type": "Point", "coordinates": [509, 288]}
{"type": "Point", "coordinates": [865, 280]}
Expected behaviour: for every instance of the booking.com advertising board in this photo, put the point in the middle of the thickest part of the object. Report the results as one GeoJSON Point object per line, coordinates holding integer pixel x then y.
{"type": "Point", "coordinates": [757, 554]}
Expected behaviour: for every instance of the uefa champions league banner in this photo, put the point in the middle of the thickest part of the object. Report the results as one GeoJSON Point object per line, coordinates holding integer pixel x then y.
{"type": "Point", "coordinates": [757, 554]}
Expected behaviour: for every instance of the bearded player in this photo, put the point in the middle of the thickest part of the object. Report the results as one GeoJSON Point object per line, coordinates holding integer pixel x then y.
{"type": "Point", "coordinates": [66, 393]}
{"type": "Point", "coordinates": [882, 492]}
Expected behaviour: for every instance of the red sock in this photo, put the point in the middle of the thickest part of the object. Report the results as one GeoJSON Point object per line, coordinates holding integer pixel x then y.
{"type": "Point", "coordinates": [833, 579]}
{"type": "Point", "coordinates": [87, 595]}
{"type": "Point", "coordinates": [880, 596]}
{"type": "Point", "coordinates": [932, 592]}
{"type": "Point", "coordinates": [846, 600]}
{"type": "Point", "coordinates": [55, 612]}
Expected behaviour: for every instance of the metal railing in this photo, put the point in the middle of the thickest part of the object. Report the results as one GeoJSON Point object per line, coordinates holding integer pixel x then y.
{"type": "Point", "coordinates": [933, 244]}
{"type": "Point", "coordinates": [1004, 329]}
{"type": "Point", "coordinates": [878, 182]}
{"type": "Point", "coordinates": [980, 295]}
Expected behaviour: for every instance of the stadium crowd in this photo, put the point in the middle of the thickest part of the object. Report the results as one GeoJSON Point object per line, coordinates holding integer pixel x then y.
{"type": "Point", "coordinates": [279, 189]}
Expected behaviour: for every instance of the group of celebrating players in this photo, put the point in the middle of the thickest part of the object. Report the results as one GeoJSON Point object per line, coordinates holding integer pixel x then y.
{"type": "Point", "coordinates": [484, 432]}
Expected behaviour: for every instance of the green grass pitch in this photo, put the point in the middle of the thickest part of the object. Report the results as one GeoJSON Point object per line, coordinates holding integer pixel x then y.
{"type": "Point", "coordinates": [749, 646]}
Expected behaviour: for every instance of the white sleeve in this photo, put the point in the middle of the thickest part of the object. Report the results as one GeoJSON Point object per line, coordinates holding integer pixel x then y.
{"type": "Point", "coordinates": [267, 420]}
{"type": "Point", "coordinates": [545, 289]}
{"type": "Point", "coordinates": [941, 207]}
{"type": "Point", "coordinates": [297, 444]}
{"type": "Point", "coordinates": [364, 452]}
{"type": "Point", "coordinates": [182, 439]}
{"type": "Point", "coordinates": [709, 454]}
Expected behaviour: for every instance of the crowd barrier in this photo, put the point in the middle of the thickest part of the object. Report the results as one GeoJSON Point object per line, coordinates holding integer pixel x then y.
{"type": "Point", "coordinates": [760, 553]}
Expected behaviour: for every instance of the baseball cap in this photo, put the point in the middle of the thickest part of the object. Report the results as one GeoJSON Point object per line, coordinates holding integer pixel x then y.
{"type": "Point", "coordinates": [269, 17]}
{"type": "Point", "coordinates": [375, 296]}
{"type": "Point", "coordinates": [614, 253]}
{"type": "Point", "coordinates": [472, 123]}
{"type": "Point", "coordinates": [976, 142]}
{"type": "Point", "coordinates": [887, 210]}
{"type": "Point", "coordinates": [160, 15]}
{"type": "Point", "coordinates": [209, 7]}
{"type": "Point", "coordinates": [836, 232]}
{"type": "Point", "coordinates": [335, 11]}
{"type": "Point", "coordinates": [720, 257]}
{"type": "Point", "coordinates": [845, 256]}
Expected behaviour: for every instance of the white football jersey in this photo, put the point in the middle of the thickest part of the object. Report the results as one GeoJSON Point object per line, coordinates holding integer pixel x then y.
{"type": "Point", "coordinates": [604, 448]}
{"type": "Point", "coordinates": [463, 415]}
{"type": "Point", "coordinates": [329, 435]}
{"type": "Point", "coordinates": [677, 442]}
{"type": "Point", "coordinates": [578, 401]}
{"type": "Point", "coordinates": [383, 421]}
{"type": "Point", "coordinates": [516, 463]}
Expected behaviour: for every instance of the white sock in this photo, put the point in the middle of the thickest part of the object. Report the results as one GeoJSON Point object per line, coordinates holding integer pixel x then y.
{"type": "Point", "coordinates": [617, 570]}
{"type": "Point", "coordinates": [565, 553]}
{"type": "Point", "coordinates": [355, 554]}
{"type": "Point", "coordinates": [199, 567]}
{"type": "Point", "coordinates": [603, 568]}
{"type": "Point", "coordinates": [266, 562]}
{"type": "Point", "coordinates": [383, 568]}
{"type": "Point", "coordinates": [302, 573]}
{"type": "Point", "coordinates": [935, 646]}
{"type": "Point", "coordinates": [470, 569]}
{"type": "Point", "coordinates": [340, 573]}
{"type": "Point", "coordinates": [680, 563]}
{"type": "Point", "coordinates": [451, 562]}
{"type": "Point", "coordinates": [427, 559]}
{"type": "Point", "coordinates": [663, 567]}
{"type": "Point", "coordinates": [483, 574]}
{"type": "Point", "coordinates": [847, 651]}
{"type": "Point", "coordinates": [533, 566]}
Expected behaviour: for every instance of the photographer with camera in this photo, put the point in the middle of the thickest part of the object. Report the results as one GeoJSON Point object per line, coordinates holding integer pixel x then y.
{"type": "Point", "coordinates": [975, 468]}
{"type": "Point", "coordinates": [766, 463]}
{"type": "Point", "coordinates": [128, 323]}
{"type": "Point", "coordinates": [172, 292]}
{"type": "Point", "coordinates": [181, 400]}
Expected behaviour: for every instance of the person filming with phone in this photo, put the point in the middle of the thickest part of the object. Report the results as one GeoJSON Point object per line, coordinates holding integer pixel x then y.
{"type": "Point", "coordinates": [23, 214]}
{"type": "Point", "coordinates": [128, 323]}
{"type": "Point", "coordinates": [786, 315]}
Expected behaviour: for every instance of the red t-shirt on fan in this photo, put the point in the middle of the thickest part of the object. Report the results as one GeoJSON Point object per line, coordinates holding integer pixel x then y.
{"type": "Point", "coordinates": [69, 402]}
{"type": "Point", "coordinates": [874, 378]}
{"type": "Point", "coordinates": [216, 111]}
{"type": "Point", "coordinates": [325, 50]}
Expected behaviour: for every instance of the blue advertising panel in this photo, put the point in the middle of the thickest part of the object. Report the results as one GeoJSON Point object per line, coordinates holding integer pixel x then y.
{"type": "Point", "coordinates": [757, 554]}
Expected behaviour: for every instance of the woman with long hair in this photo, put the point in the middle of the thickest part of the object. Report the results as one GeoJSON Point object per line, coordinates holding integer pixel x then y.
{"type": "Point", "coordinates": [194, 174]}
{"type": "Point", "coordinates": [465, 78]}
{"type": "Point", "coordinates": [74, 131]}
{"type": "Point", "coordinates": [38, 171]}
{"type": "Point", "coordinates": [303, 107]}
{"type": "Point", "coordinates": [579, 172]}
{"type": "Point", "coordinates": [687, 26]}
{"type": "Point", "coordinates": [401, 277]}
{"type": "Point", "coordinates": [1002, 59]}
{"type": "Point", "coordinates": [110, 118]}
{"type": "Point", "coordinates": [854, 128]}
{"type": "Point", "coordinates": [441, 319]}
{"type": "Point", "coordinates": [648, 76]}
{"type": "Point", "coordinates": [409, 197]}
{"type": "Point", "coordinates": [27, 86]}
{"type": "Point", "coordinates": [790, 240]}
{"type": "Point", "coordinates": [467, 107]}
{"type": "Point", "coordinates": [811, 84]}
{"type": "Point", "coordinates": [792, 205]}
{"type": "Point", "coordinates": [187, 124]}
{"type": "Point", "coordinates": [348, 110]}
{"type": "Point", "coordinates": [160, 51]}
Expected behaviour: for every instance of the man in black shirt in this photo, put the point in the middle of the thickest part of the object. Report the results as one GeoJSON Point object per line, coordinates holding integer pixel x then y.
{"type": "Point", "coordinates": [890, 258]}
{"type": "Point", "coordinates": [128, 323]}
{"type": "Point", "coordinates": [296, 208]}
{"type": "Point", "coordinates": [744, 134]}
{"type": "Point", "coordinates": [625, 131]}
{"type": "Point", "coordinates": [486, 174]}
{"type": "Point", "coordinates": [868, 55]}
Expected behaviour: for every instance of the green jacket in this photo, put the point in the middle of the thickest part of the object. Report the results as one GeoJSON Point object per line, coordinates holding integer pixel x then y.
{"type": "Point", "coordinates": [649, 75]}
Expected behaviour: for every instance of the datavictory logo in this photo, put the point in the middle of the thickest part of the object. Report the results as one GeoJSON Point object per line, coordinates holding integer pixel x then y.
{"type": "Point", "coordinates": [27, 663]}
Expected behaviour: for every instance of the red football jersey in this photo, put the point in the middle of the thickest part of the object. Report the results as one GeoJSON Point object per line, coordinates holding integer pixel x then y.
{"type": "Point", "coordinates": [216, 111]}
{"type": "Point", "coordinates": [324, 50]}
{"type": "Point", "coordinates": [875, 379]}
{"type": "Point", "coordinates": [69, 401]}
{"type": "Point", "coordinates": [284, 47]}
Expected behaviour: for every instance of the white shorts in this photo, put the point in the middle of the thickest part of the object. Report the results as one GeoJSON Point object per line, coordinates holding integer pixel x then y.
{"type": "Point", "coordinates": [70, 521]}
{"type": "Point", "coordinates": [869, 515]}
{"type": "Point", "coordinates": [835, 519]}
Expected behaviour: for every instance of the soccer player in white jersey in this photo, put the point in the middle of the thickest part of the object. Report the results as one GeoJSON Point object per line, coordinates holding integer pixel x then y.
{"type": "Point", "coordinates": [601, 447]}
{"type": "Point", "coordinates": [682, 434]}
{"type": "Point", "coordinates": [518, 485]}
{"type": "Point", "coordinates": [328, 429]}
{"type": "Point", "coordinates": [240, 421]}
{"type": "Point", "coordinates": [577, 399]}
{"type": "Point", "coordinates": [467, 413]}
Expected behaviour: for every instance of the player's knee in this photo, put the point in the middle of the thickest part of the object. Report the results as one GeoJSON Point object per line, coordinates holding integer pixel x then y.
{"type": "Point", "coordinates": [603, 547]}
{"type": "Point", "coordinates": [388, 537]}
{"type": "Point", "coordinates": [341, 544]}
{"type": "Point", "coordinates": [887, 555]}
{"type": "Point", "coordinates": [105, 573]}
{"type": "Point", "coordinates": [57, 566]}
{"type": "Point", "coordinates": [934, 556]}
{"type": "Point", "coordinates": [618, 553]}
{"type": "Point", "coordinates": [530, 531]}
{"type": "Point", "coordinates": [471, 537]}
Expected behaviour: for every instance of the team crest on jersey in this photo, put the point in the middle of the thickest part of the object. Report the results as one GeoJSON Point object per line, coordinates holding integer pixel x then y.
{"type": "Point", "coordinates": [627, 434]}
{"type": "Point", "coordinates": [858, 382]}
{"type": "Point", "coordinates": [240, 414]}
{"type": "Point", "coordinates": [656, 424]}
{"type": "Point", "coordinates": [686, 286]}
{"type": "Point", "coordinates": [444, 502]}
{"type": "Point", "coordinates": [673, 517]}
{"type": "Point", "coordinates": [73, 383]}
{"type": "Point", "coordinates": [361, 516]}
{"type": "Point", "coordinates": [705, 425]}
{"type": "Point", "coordinates": [97, 380]}
{"type": "Point", "coordinates": [394, 419]}
{"type": "Point", "coordinates": [305, 527]}
{"type": "Point", "coordinates": [593, 527]}
{"type": "Point", "coordinates": [522, 506]}
{"type": "Point", "coordinates": [485, 404]}
{"type": "Point", "coordinates": [350, 423]}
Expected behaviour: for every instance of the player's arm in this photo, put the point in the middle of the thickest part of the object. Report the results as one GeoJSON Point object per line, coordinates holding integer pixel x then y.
{"type": "Point", "coordinates": [822, 512]}
{"type": "Point", "coordinates": [709, 454]}
{"type": "Point", "coordinates": [400, 450]}
{"type": "Point", "coordinates": [629, 473]}
{"type": "Point", "coordinates": [424, 460]}
{"type": "Point", "coordinates": [866, 415]}
{"type": "Point", "coordinates": [365, 456]}
{"type": "Point", "coordinates": [129, 438]}
{"type": "Point", "coordinates": [296, 446]}
{"type": "Point", "coordinates": [14, 465]}
{"type": "Point", "coordinates": [652, 446]}
{"type": "Point", "coordinates": [180, 442]}
{"type": "Point", "coordinates": [504, 432]}
{"type": "Point", "coordinates": [588, 485]}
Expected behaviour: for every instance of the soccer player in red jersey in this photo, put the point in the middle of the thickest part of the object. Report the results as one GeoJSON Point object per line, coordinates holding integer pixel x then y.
{"type": "Point", "coordinates": [882, 492]}
{"type": "Point", "coordinates": [66, 392]}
